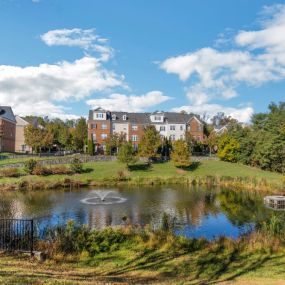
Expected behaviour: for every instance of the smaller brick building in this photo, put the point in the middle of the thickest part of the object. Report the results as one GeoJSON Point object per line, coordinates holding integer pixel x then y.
{"type": "Point", "coordinates": [7, 129]}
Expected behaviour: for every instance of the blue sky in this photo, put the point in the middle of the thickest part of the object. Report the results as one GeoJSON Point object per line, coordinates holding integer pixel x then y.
{"type": "Point", "coordinates": [62, 57]}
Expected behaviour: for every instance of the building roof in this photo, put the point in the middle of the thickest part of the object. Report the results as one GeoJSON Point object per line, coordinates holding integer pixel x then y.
{"type": "Point", "coordinates": [144, 118]}
{"type": "Point", "coordinates": [6, 113]}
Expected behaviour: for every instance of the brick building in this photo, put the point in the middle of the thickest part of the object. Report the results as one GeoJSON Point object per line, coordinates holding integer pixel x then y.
{"type": "Point", "coordinates": [102, 123]}
{"type": "Point", "coordinates": [7, 129]}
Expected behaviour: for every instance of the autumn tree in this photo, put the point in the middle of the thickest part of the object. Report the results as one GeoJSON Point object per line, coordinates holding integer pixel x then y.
{"type": "Point", "coordinates": [150, 142]}
{"type": "Point", "coordinates": [113, 142]}
{"type": "Point", "coordinates": [180, 154]}
{"type": "Point", "coordinates": [228, 148]}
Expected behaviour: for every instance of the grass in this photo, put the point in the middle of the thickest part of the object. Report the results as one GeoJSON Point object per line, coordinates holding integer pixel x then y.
{"type": "Point", "coordinates": [107, 173]}
{"type": "Point", "coordinates": [135, 263]}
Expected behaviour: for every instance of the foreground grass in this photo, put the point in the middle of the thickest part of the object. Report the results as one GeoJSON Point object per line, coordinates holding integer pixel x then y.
{"type": "Point", "coordinates": [107, 173]}
{"type": "Point", "coordinates": [138, 265]}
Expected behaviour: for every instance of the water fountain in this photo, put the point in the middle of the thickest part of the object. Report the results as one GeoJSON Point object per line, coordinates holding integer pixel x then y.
{"type": "Point", "coordinates": [103, 198]}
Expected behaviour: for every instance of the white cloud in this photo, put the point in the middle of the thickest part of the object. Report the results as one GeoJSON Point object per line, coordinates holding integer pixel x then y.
{"type": "Point", "coordinates": [132, 103]}
{"type": "Point", "coordinates": [85, 39]}
{"type": "Point", "coordinates": [258, 58]}
{"type": "Point", "coordinates": [241, 114]}
{"type": "Point", "coordinates": [40, 89]}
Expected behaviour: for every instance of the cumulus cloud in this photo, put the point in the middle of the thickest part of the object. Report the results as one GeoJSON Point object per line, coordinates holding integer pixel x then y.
{"type": "Point", "coordinates": [41, 89]}
{"type": "Point", "coordinates": [258, 57]}
{"type": "Point", "coordinates": [132, 103]}
{"type": "Point", "coordinates": [86, 39]}
{"type": "Point", "coordinates": [241, 114]}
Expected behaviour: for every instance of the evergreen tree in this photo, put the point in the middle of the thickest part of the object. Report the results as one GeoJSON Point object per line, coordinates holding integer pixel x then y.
{"type": "Point", "coordinates": [150, 143]}
{"type": "Point", "coordinates": [180, 154]}
{"type": "Point", "coordinates": [90, 147]}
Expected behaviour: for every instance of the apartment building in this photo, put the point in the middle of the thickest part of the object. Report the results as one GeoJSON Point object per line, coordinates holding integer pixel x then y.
{"type": "Point", "coordinates": [103, 123]}
{"type": "Point", "coordinates": [7, 129]}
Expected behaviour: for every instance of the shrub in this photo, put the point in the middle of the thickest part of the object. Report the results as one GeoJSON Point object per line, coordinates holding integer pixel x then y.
{"type": "Point", "coordinates": [9, 172]}
{"type": "Point", "coordinates": [61, 169]}
{"type": "Point", "coordinates": [122, 175]}
{"type": "Point", "coordinates": [41, 170]}
{"type": "Point", "coordinates": [76, 165]}
{"type": "Point", "coordinates": [30, 165]}
{"type": "Point", "coordinates": [105, 240]}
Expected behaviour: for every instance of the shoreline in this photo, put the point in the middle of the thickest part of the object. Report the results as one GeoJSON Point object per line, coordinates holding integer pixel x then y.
{"type": "Point", "coordinates": [236, 183]}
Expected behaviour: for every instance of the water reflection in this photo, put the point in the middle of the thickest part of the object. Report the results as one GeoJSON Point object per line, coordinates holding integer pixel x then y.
{"type": "Point", "coordinates": [198, 212]}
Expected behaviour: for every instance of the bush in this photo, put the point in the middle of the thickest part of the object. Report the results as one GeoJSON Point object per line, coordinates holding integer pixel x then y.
{"type": "Point", "coordinates": [122, 175]}
{"type": "Point", "coordinates": [9, 172]}
{"type": "Point", "coordinates": [76, 165]}
{"type": "Point", "coordinates": [105, 240]}
{"type": "Point", "coordinates": [61, 169]}
{"type": "Point", "coordinates": [41, 170]}
{"type": "Point", "coordinates": [30, 165]}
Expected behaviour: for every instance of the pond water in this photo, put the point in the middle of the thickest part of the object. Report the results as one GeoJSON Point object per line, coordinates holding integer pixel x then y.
{"type": "Point", "coordinates": [197, 211]}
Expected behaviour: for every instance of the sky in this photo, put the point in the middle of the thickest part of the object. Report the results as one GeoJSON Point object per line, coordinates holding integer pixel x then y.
{"type": "Point", "coordinates": [60, 58]}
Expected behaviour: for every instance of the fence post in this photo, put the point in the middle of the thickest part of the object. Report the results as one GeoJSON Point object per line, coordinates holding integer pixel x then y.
{"type": "Point", "coordinates": [32, 237]}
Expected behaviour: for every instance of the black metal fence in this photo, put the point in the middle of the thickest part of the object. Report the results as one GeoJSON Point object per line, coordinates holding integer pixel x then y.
{"type": "Point", "coordinates": [16, 235]}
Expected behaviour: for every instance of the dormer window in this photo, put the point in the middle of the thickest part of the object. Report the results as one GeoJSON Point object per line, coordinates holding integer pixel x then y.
{"type": "Point", "coordinates": [99, 115]}
{"type": "Point", "coordinates": [124, 117]}
{"type": "Point", "coordinates": [114, 117]}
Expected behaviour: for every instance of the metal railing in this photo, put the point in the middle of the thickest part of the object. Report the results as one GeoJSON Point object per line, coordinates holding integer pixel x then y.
{"type": "Point", "coordinates": [16, 235]}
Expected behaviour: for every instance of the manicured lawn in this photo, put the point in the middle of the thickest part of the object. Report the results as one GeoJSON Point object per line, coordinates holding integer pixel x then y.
{"type": "Point", "coordinates": [101, 171]}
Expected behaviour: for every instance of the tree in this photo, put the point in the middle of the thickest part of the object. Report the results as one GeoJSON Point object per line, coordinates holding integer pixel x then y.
{"type": "Point", "coordinates": [32, 137]}
{"type": "Point", "coordinates": [211, 141]}
{"type": "Point", "coordinates": [113, 142]}
{"type": "Point", "coordinates": [80, 134]}
{"type": "Point", "coordinates": [125, 154]}
{"type": "Point", "coordinates": [228, 148]}
{"type": "Point", "coordinates": [220, 120]}
{"type": "Point", "coordinates": [180, 154]}
{"type": "Point", "coordinates": [90, 147]}
{"type": "Point", "coordinates": [150, 142]}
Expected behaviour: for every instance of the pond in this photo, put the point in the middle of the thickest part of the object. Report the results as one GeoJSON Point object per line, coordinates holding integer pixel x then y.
{"type": "Point", "coordinates": [197, 212]}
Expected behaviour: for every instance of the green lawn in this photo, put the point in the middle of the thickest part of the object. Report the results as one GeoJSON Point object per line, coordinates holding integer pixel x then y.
{"type": "Point", "coordinates": [108, 171]}
{"type": "Point", "coordinates": [138, 265]}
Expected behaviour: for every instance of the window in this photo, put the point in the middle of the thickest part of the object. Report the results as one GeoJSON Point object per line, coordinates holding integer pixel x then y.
{"type": "Point", "coordinates": [172, 127]}
{"type": "Point", "coordinates": [181, 137]}
{"type": "Point", "coordinates": [199, 128]}
{"type": "Point", "coordinates": [93, 126]}
{"type": "Point", "coordinates": [94, 137]}
{"type": "Point", "coordinates": [124, 117]}
{"type": "Point", "coordinates": [114, 117]}
{"type": "Point", "coordinates": [162, 128]}
{"type": "Point", "coordinates": [104, 136]}
{"type": "Point", "coordinates": [134, 128]}
{"type": "Point", "coordinates": [104, 127]}
{"type": "Point", "coordinates": [181, 128]}
{"type": "Point", "coordinates": [136, 147]}
{"type": "Point", "coordinates": [99, 115]}
{"type": "Point", "coordinates": [114, 127]}
{"type": "Point", "coordinates": [157, 118]}
{"type": "Point", "coordinates": [172, 137]}
{"type": "Point", "coordinates": [134, 138]}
